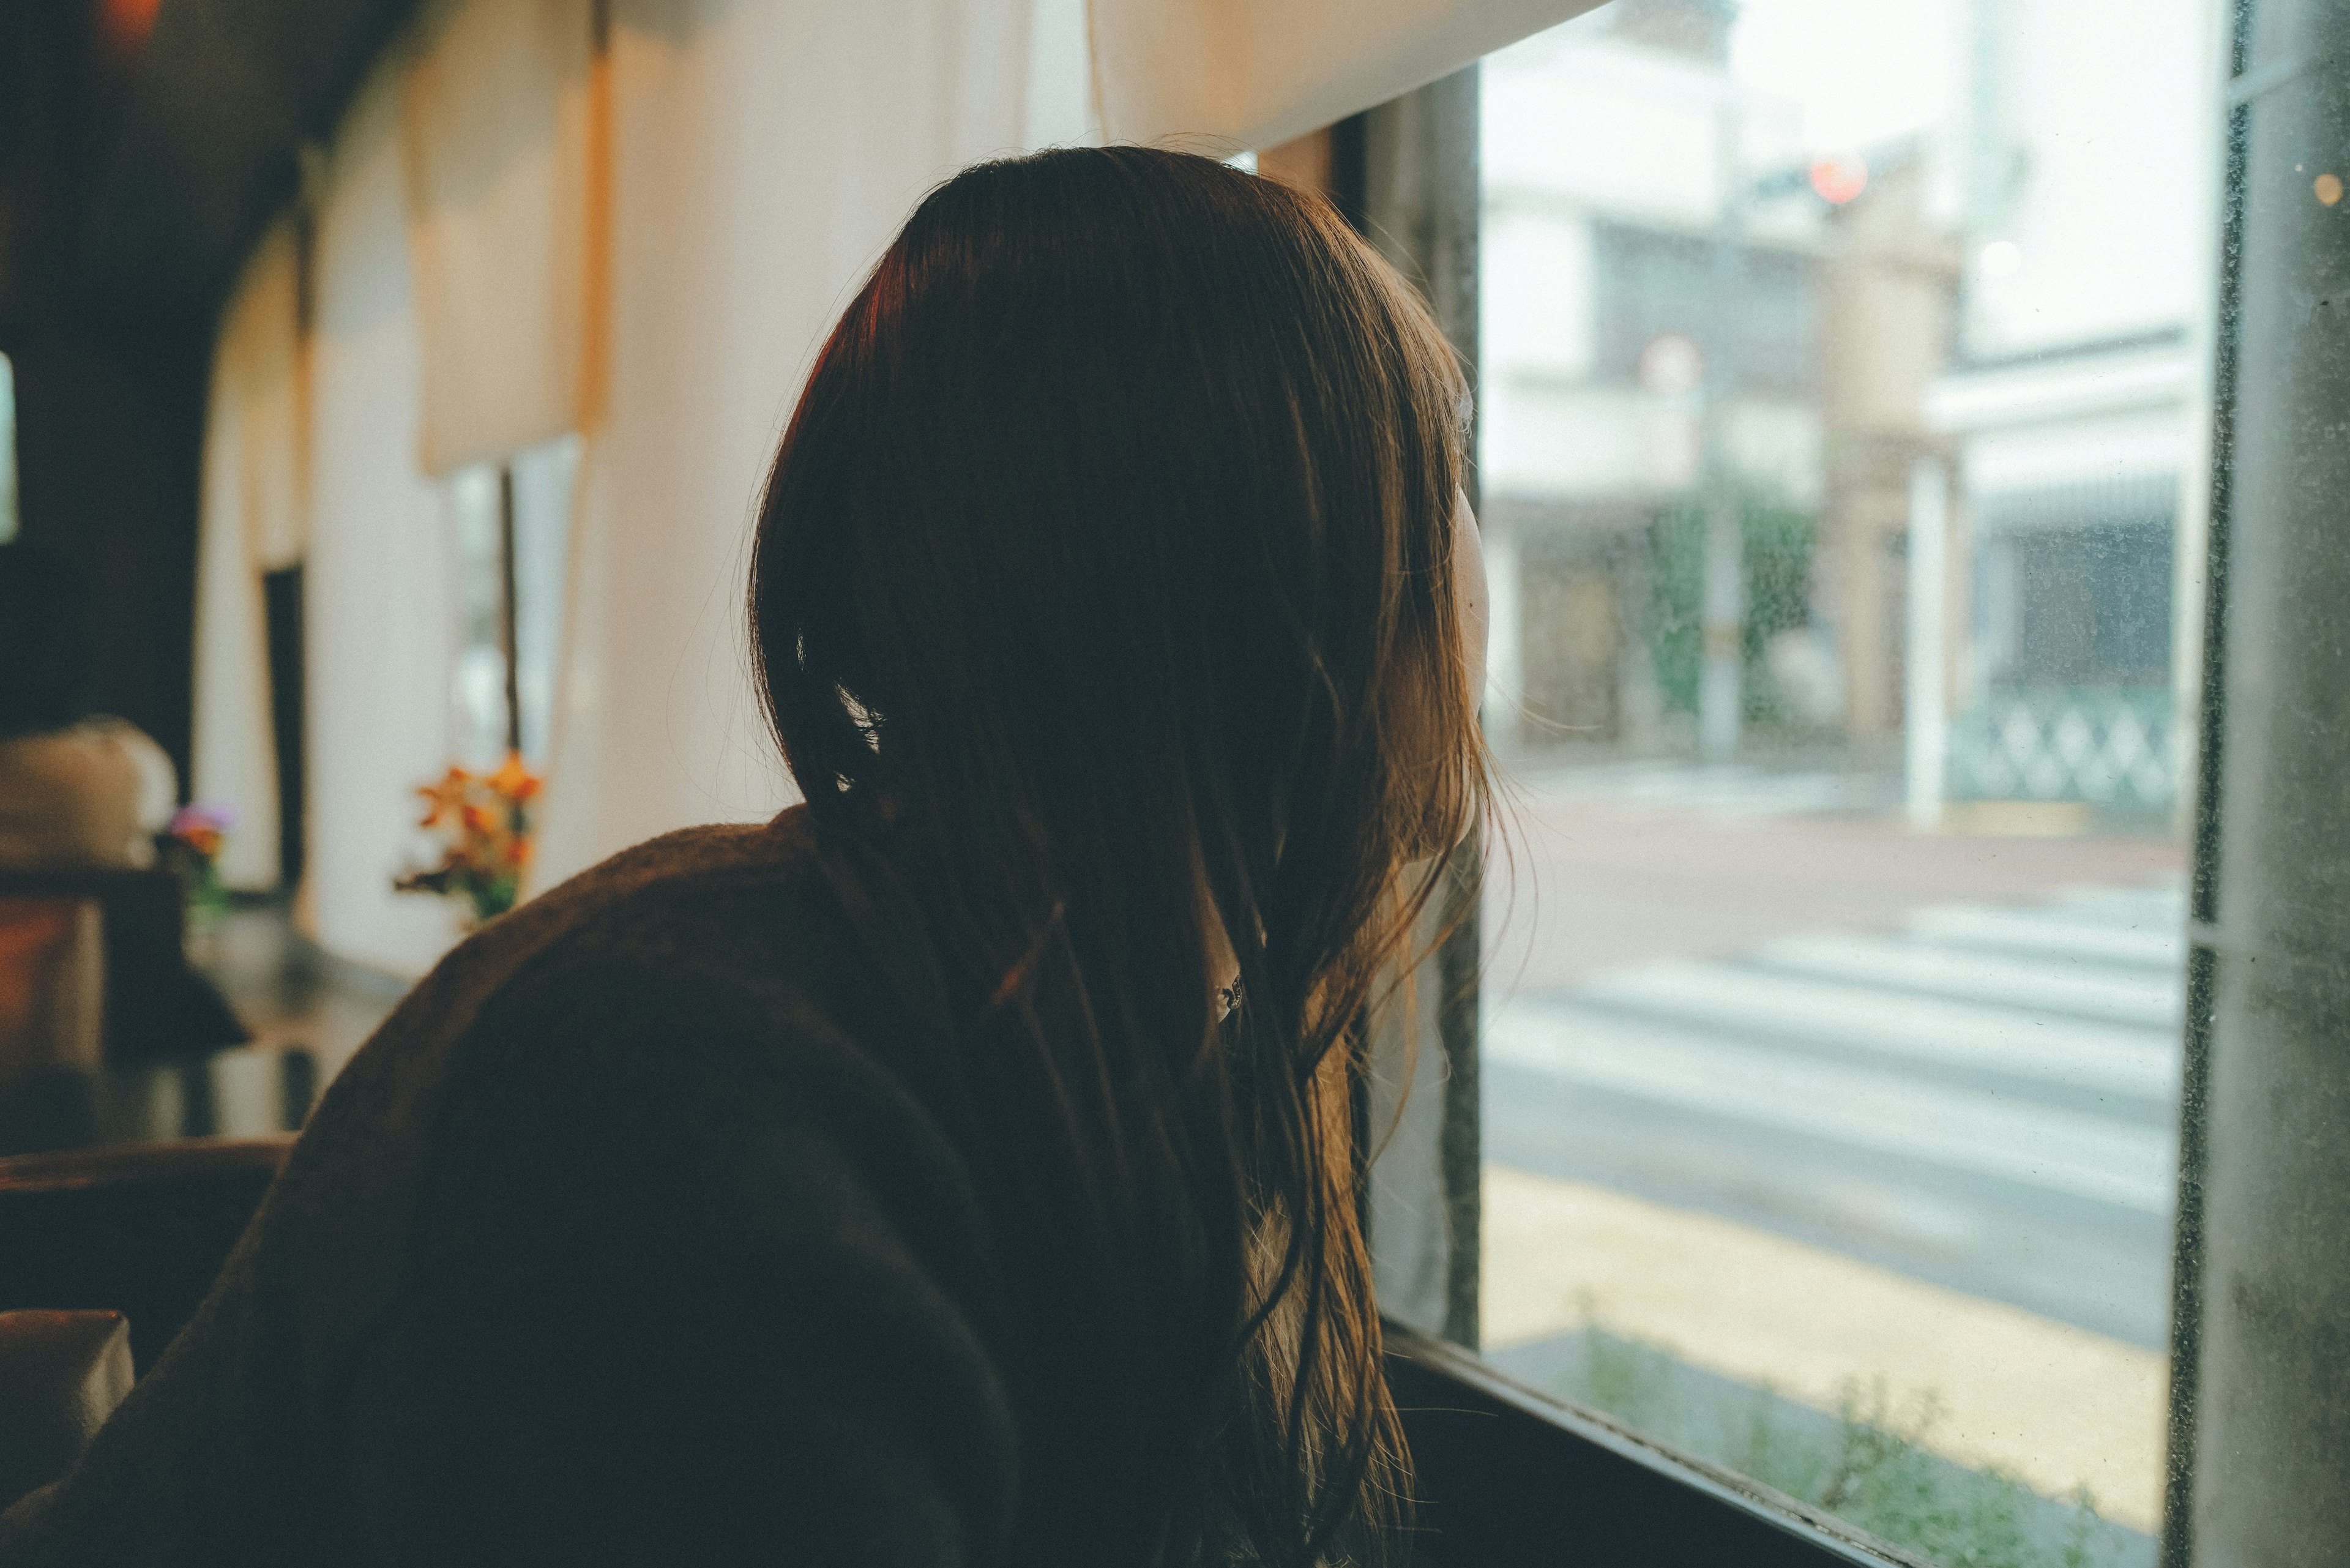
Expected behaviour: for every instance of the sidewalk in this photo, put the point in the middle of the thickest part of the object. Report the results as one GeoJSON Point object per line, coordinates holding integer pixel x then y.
{"type": "Point", "coordinates": [1579, 882]}
{"type": "Point", "coordinates": [2055, 1405]}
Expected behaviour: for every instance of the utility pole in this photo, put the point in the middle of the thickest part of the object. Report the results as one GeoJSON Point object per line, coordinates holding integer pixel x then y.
{"type": "Point", "coordinates": [1720, 694]}
{"type": "Point", "coordinates": [1925, 719]}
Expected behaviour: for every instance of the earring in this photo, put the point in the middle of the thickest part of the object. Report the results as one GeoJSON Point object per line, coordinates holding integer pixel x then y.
{"type": "Point", "coordinates": [1230, 996]}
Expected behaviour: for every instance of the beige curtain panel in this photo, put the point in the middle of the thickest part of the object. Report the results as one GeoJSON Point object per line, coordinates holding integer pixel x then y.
{"type": "Point", "coordinates": [266, 332]}
{"type": "Point", "coordinates": [1235, 74]}
{"type": "Point", "coordinates": [254, 511]}
{"type": "Point", "coordinates": [504, 131]}
{"type": "Point", "coordinates": [382, 604]}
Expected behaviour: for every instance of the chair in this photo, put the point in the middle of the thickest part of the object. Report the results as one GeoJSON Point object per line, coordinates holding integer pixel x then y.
{"type": "Point", "coordinates": [104, 1256]}
{"type": "Point", "coordinates": [52, 979]}
{"type": "Point", "coordinates": [139, 1230]}
{"type": "Point", "coordinates": [154, 1005]}
{"type": "Point", "coordinates": [61, 1375]}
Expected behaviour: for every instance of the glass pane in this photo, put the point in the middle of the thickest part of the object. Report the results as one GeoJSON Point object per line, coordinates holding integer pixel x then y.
{"type": "Point", "coordinates": [7, 450]}
{"type": "Point", "coordinates": [477, 696]}
{"type": "Point", "coordinates": [543, 476]}
{"type": "Point", "coordinates": [1842, 392]}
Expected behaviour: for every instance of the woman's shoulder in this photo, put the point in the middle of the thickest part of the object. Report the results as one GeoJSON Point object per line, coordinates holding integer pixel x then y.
{"type": "Point", "coordinates": [673, 927]}
{"type": "Point", "coordinates": [712, 965]}
{"type": "Point", "coordinates": [719, 859]}
{"type": "Point", "coordinates": [697, 898]}
{"type": "Point", "coordinates": [706, 938]}
{"type": "Point", "coordinates": [633, 1032]}
{"type": "Point", "coordinates": [703, 1042]}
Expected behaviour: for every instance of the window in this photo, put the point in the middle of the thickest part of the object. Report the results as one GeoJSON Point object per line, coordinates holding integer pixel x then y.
{"type": "Point", "coordinates": [7, 450]}
{"type": "Point", "coordinates": [513, 530]}
{"type": "Point", "coordinates": [1842, 376]}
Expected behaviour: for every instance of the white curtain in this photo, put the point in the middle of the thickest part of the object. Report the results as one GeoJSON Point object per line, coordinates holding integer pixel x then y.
{"type": "Point", "coordinates": [380, 585]}
{"type": "Point", "coordinates": [1233, 74]}
{"type": "Point", "coordinates": [253, 515]}
{"type": "Point", "coordinates": [764, 153]}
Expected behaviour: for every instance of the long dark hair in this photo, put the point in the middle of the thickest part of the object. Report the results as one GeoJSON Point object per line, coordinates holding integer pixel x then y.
{"type": "Point", "coordinates": [1105, 569]}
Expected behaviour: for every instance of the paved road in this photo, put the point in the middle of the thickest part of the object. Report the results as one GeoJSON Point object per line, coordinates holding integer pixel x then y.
{"type": "Point", "coordinates": [1984, 1098]}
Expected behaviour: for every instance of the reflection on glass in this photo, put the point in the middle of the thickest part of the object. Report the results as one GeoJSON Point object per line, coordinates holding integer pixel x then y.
{"type": "Point", "coordinates": [1840, 399]}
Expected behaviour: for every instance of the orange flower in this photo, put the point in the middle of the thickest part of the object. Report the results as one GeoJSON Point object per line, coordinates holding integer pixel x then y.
{"type": "Point", "coordinates": [514, 780]}
{"type": "Point", "coordinates": [443, 800]}
{"type": "Point", "coordinates": [484, 835]}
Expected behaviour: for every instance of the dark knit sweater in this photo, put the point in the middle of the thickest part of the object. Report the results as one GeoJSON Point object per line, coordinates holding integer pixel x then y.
{"type": "Point", "coordinates": [643, 1231]}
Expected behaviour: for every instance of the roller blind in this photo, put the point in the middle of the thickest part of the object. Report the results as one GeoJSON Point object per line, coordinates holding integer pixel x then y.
{"type": "Point", "coordinates": [503, 133]}
{"type": "Point", "coordinates": [1248, 73]}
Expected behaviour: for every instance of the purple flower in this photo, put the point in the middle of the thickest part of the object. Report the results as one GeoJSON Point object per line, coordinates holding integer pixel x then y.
{"type": "Point", "coordinates": [200, 815]}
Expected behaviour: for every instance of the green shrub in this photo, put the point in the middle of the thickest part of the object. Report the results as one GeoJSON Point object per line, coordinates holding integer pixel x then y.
{"type": "Point", "coordinates": [1777, 543]}
{"type": "Point", "coordinates": [1867, 1463]}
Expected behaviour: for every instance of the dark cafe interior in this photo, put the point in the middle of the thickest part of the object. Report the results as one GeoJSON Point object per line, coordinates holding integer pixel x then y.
{"type": "Point", "coordinates": [1175, 784]}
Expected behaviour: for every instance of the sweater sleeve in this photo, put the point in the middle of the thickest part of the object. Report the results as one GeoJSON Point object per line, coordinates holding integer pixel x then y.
{"type": "Point", "coordinates": [691, 1281]}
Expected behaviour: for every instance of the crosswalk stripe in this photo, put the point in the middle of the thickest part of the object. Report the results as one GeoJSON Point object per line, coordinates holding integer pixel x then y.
{"type": "Point", "coordinates": [2143, 909]}
{"type": "Point", "coordinates": [1731, 791]}
{"type": "Point", "coordinates": [2088, 1157]}
{"type": "Point", "coordinates": [2051, 934]}
{"type": "Point", "coordinates": [2101, 1057]}
{"type": "Point", "coordinates": [2094, 992]}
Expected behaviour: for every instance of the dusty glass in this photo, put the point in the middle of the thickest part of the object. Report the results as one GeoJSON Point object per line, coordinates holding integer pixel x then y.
{"type": "Point", "coordinates": [7, 450]}
{"type": "Point", "coordinates": [1844, 389]}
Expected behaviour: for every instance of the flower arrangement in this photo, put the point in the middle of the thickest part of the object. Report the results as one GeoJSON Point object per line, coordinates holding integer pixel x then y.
{"type": "Point", "coordinates": [190, 845]}
{"type": "Point", "coordinates": [484, 821]}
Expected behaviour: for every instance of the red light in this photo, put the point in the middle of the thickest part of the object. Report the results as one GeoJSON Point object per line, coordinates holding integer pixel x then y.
{"type": "Point", "coordinates": [125, 24]}
{"type": "Point", "coordinates": [1840, 178]}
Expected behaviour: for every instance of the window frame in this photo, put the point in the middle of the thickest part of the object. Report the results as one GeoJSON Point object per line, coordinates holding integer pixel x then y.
{"type": "Point", "coordinates": [1505, 1473]}
{"type": "Point", "coordinates": [1505, 1476]}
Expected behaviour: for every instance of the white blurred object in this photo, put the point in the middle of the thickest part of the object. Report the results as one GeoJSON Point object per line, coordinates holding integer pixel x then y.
{"type": "Point", "coordinates": [1925, 722]}
{"type": "Point", "coordinates": [92, 793]}
{"type": "Point", "coordinates": [1672, 444]}
{"type": "Point", "coordinates": [2001, 259]}
{"type": "Point", "coordinates": [1808, 674]}
{"type": "Point", "coordinates": [1672, 363]}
